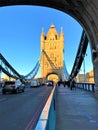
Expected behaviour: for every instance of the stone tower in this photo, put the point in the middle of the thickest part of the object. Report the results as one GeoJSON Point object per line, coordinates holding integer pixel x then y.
{"type": "Point", "coordinates": [52, 47]}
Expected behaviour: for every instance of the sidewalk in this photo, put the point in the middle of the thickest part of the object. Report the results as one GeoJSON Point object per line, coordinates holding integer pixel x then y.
{"type": "Point", "coordinates": [76, 110]}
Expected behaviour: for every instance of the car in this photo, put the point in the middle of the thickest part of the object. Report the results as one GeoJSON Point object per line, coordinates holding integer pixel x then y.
{"type": "Point", "coordinates": [49, 83]}
{"type": "Point", "coordinates": [13, 87]}
{"type": "Point", "coordinates": [35, 83]}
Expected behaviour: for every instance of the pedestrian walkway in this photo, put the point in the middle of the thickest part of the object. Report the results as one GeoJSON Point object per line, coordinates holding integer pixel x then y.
{"type": "Point", "coordinates": [76, 110]}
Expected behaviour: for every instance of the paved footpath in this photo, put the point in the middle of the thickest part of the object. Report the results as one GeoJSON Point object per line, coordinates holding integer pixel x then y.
{"type": "Point", "coordinates": [76, 110]}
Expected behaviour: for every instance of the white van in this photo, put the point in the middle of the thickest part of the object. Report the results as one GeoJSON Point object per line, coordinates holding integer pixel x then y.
{"type": "Point", "coordinates": [35, 83]}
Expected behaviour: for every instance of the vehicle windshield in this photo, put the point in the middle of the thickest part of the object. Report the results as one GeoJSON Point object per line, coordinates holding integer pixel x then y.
{"type": "Point", "coordinates": [9, 82]}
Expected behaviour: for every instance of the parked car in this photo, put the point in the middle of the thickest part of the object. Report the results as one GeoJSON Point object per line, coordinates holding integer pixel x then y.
{"type": "Point", "coordinates": [13, 87]}
{"type": "Point", "coordinates": [35, 83]}
{"type": "Point", "coordinates": [49, 83]}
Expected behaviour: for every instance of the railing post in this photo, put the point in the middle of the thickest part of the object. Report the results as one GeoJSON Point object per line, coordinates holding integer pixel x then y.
{"type": "Point", "coordinates": [93, 88]}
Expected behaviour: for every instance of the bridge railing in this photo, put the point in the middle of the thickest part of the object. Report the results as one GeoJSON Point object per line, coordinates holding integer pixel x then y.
{"type": "Point", "coordinates": [86, 86]}
{"type": "Point", "coordinates": [47, 118]}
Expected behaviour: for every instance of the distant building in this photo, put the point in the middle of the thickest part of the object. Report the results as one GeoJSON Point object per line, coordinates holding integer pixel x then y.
{"type": "Point", "coordinates": [88, 77]}
{"type": "Point", "coordinates": [6, 78]}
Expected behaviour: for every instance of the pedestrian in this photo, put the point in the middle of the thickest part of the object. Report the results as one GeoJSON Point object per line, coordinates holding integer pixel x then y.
{"type": "Point", "coordinates": [72, 84]}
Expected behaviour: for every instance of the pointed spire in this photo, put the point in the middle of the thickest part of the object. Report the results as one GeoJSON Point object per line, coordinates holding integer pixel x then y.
{"type": "Point", "coordinates": [42, 34]}
{"type": "Point", "coordinates": [42, 31]}
{"type": "Point", "coordinates": [52, 26]}
{"type": "Point", "coordinates": [61, 29]}
{"type": "Point", "coordinates": [62, 34]}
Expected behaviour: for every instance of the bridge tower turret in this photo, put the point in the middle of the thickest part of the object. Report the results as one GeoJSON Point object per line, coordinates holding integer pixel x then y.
{"type": "Point", "coordinates": [62, 35]}
{"type": "Point", "coordinates": [42, 39]}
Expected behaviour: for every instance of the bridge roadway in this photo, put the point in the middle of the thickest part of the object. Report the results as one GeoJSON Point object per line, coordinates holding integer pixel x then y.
{"type": "Point", "coordinates": [76, 110]}
{"type": "Point", "coordinates": [20, 111]}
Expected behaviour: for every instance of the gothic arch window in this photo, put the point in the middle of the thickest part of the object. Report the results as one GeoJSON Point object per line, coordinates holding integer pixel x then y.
{"type": "Point", "coordinates": [45, 37]}
{"type": "Point", "coordinates": [56, 37]}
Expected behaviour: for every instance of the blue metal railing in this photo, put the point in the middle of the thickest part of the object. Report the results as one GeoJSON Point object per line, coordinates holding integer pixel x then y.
{"type": "Point", "coordinates": [86, 86]}
{"type": "Point", "coordinates": [47, 118]}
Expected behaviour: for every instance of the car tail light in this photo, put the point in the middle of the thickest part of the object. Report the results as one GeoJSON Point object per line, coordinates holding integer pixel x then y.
{"type": "Point", "coordinates": [13, 85]}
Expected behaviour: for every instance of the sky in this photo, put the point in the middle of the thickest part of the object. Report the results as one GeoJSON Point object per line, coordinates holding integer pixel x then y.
{"type": "Point", "coordinates": [20, 31]}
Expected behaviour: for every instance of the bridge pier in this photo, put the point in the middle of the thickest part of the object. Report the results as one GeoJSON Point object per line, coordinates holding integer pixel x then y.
{"type": "Point", "coordinates": [95, 63]}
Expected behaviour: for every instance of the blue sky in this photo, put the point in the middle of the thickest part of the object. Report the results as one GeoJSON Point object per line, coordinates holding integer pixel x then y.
{"type": "Point", "coordinates": [20, 30]}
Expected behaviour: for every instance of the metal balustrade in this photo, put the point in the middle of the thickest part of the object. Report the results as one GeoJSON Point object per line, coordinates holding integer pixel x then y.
{"type": "Point", "coordinates": [86, 86]}
{"type": "Point", "coordinates": [47, 118]}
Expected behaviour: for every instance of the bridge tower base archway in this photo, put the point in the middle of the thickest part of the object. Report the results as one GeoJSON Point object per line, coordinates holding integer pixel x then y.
{"type": "Point", "coordinates": [53, 77]}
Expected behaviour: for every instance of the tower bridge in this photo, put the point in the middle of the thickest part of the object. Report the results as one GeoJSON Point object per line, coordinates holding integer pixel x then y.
{"type": "Point", "coordinates": [72, 107]}
{"type": "Point", "coordinates": [85, 12]}
{"type": "Point", "coordinates": [52, 48]}
{"type": "Point", "coordinates": [51, 61]}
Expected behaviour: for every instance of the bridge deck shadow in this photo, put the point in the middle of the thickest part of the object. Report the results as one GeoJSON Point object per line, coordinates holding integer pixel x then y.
{"type": "Point", "coordinates": [76, 110]}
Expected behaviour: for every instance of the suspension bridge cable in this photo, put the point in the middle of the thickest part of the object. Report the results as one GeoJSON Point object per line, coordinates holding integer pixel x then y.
{"type": "Point", "coordinates": [50, 62]}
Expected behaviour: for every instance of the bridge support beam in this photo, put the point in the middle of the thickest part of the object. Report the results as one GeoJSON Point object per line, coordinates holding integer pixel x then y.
{"type": "Point", "coordinates": [96, 76]}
